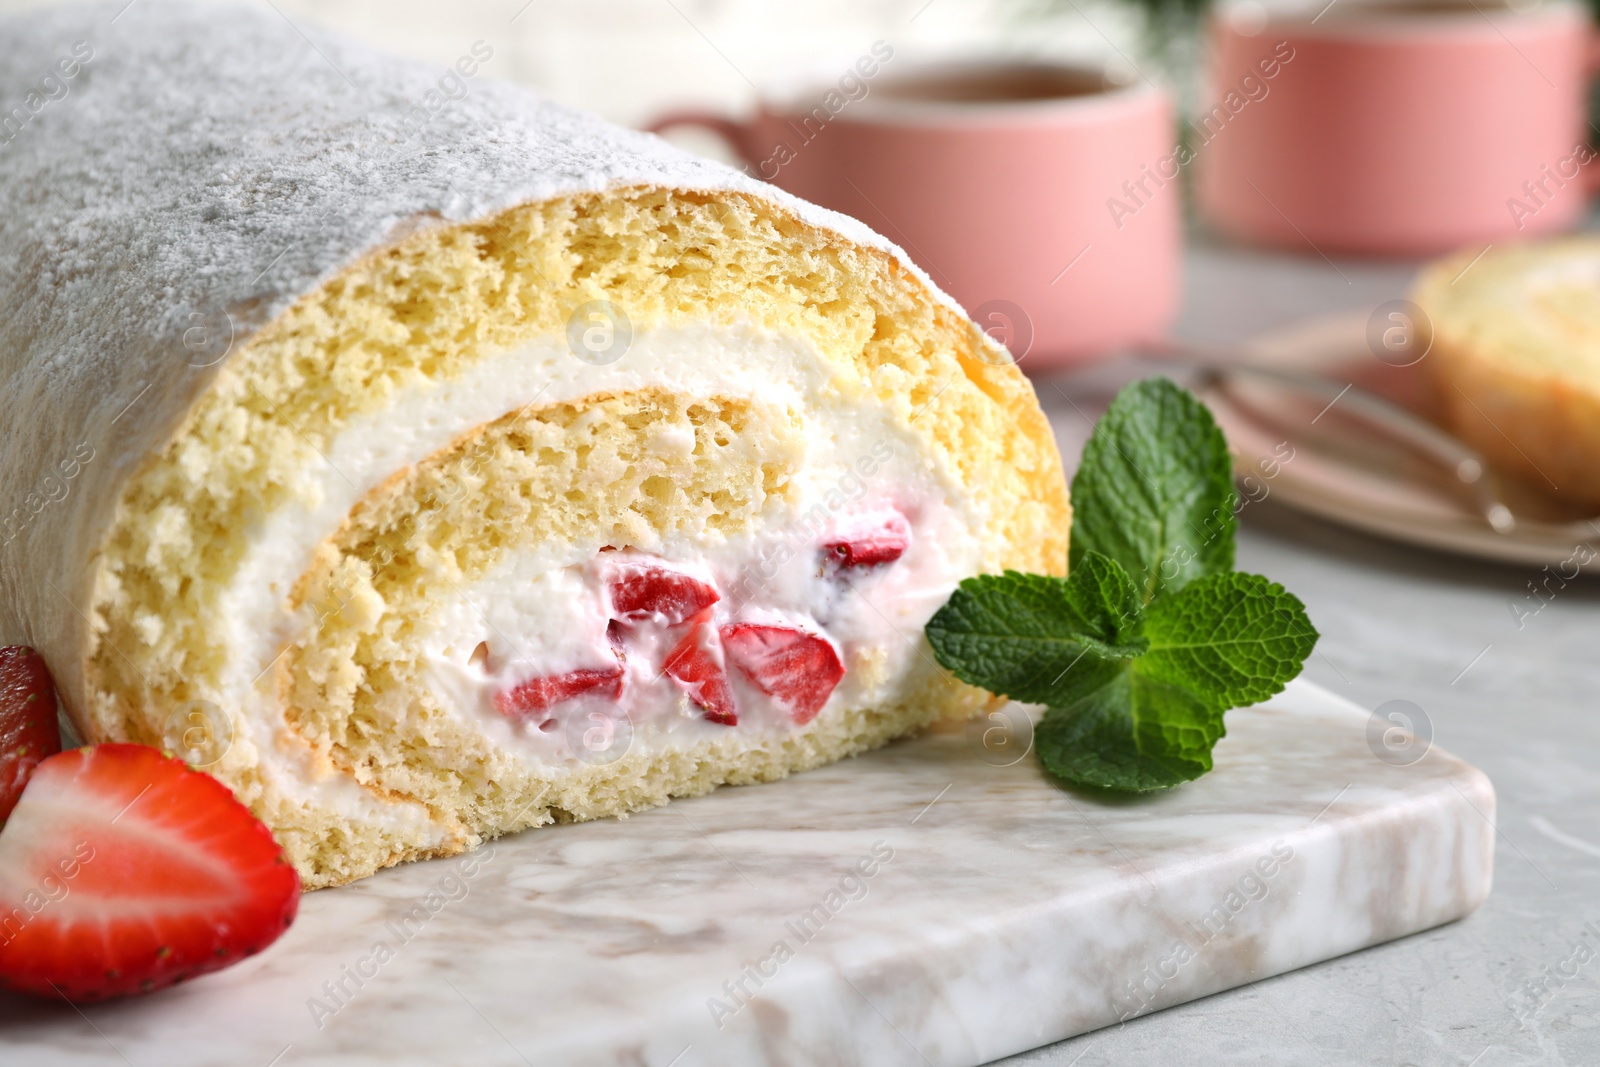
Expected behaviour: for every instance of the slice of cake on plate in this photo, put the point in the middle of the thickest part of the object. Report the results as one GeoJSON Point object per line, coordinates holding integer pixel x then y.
{"type": "Point", "coordinates": [1515, 358]}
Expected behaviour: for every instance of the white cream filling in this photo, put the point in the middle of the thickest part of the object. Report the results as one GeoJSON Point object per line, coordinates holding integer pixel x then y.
{"type": "Point", "coordinates": [776, 371]}
{"type": "Point", "coordinates": [540, 615]}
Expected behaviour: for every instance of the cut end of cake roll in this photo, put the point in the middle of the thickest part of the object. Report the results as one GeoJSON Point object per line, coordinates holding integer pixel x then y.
{"type": "Point", "coordinates": [1515, 359]}
{"type": "Point", "coordinates": [603, 499]}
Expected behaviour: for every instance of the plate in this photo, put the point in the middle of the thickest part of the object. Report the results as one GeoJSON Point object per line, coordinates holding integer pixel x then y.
{"type": "Point", "coordinates": [1321, 456]}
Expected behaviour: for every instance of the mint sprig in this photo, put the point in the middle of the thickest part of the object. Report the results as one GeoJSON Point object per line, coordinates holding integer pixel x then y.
{"type": "Point", "coordinates": [1153, 636]}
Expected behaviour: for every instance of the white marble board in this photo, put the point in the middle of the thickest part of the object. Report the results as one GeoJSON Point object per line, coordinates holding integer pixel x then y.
{"type": "Point", "coordinates": [1000, 913]}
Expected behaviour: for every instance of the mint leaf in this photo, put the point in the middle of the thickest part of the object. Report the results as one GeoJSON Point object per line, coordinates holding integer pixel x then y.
{"type": "Point", "coordinates": [1106, 601]}
{"type": "Point", "coordinates": [1231, 639]}
{"type": "Point", "coordinates": [1154, 490]}
{"type": "Point", "coordinates": [1040, 639]}
{"type": "Point", "coordinates": [1133, 735]}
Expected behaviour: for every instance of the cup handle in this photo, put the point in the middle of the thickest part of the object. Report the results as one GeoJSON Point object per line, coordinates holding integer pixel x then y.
{"type": "Point", "coordinates": [735, 134]}
{"type": "Point", "coordinates": [1591, 176]}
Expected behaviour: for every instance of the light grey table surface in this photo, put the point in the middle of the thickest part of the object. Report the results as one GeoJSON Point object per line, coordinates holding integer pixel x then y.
{"type": "Point", "coordinates": [1520, 703]}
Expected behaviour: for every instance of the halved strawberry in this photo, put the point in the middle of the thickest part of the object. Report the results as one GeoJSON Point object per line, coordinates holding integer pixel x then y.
{"type": "Point", "coordinates": [123, 871]}
{"type": "Point", "coordinates": [531, 699]}
{"type": "Point", "coordinates": [641, 591]}
{"type": "Point", "coordinates": [869, 541]}
{"type": "Point", "coordinates": [797, 669]}
{"type": "Point", "coordinates": [28, 730]}
{"type": "Point", "coordinates": [695, 666]}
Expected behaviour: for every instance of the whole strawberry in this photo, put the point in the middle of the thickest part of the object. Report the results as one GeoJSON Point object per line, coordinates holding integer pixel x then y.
{"type": "Point", "coordinates": [28, 730]}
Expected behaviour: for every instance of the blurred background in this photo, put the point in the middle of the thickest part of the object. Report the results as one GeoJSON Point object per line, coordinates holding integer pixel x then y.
{"type": "Point", "coordinates": [627, 60]}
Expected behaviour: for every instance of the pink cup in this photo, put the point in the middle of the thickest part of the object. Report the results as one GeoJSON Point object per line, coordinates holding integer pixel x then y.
{"type": "Point", "coordinates": [1401, 128]}
{"type": "Point", "coordinates": [997, 180]}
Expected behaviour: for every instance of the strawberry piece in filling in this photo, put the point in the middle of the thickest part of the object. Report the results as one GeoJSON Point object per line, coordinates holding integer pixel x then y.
{"type": "Point", "coordinates": [644, 591]}
{"type": "Point", "coordinates": [797, 669]}
{"type": "Point", "coordinates": [870, 543]}
{"type": "Point", "coordinates": [531, 699]}
{"type": "Point", "coordinates": [695, 666]}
